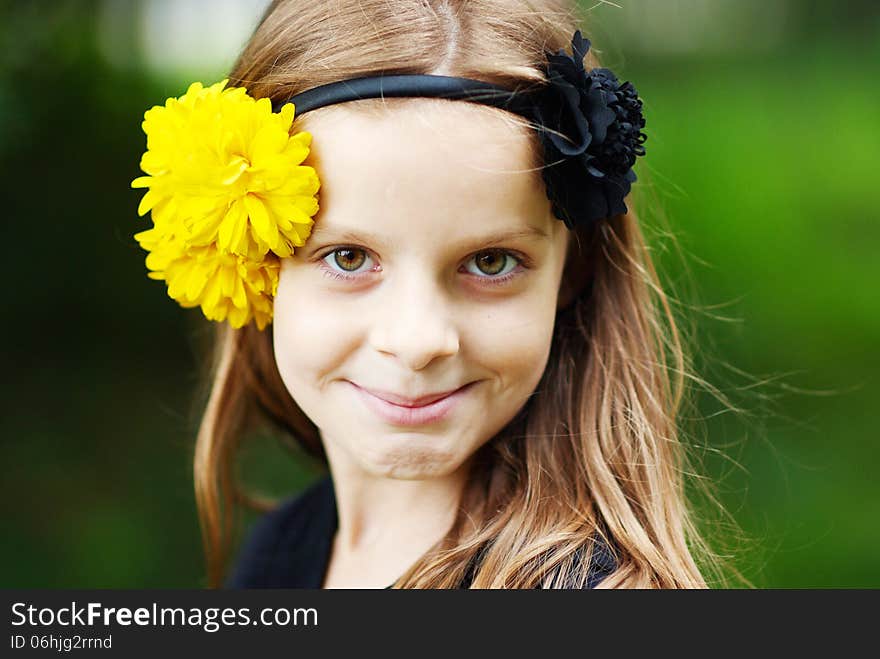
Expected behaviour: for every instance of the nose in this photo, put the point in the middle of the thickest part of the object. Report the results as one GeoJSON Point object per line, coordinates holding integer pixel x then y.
{"type": "Point", "coordinates": [414, 322]}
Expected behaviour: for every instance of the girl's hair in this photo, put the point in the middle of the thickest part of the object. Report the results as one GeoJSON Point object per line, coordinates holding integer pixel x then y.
{"type": "Point", "coordinates": [596, 451]}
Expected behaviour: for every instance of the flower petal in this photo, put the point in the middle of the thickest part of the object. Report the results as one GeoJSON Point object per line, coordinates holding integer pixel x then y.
{"type": "Point", "coordinates": [263, 227]}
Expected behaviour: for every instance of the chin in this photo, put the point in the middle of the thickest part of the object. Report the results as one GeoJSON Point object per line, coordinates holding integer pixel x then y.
{"type": "Point", "coordinates": [410, 458]}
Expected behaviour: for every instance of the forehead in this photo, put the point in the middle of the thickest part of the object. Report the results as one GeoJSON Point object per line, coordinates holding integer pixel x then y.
{"type": "Point", "coordinates": [417, 162]}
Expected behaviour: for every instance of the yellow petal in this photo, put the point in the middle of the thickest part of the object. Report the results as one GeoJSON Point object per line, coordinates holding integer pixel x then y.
{"type": "Point", "coordinates": [263, 227]}
{"type": "Point", "coordinates": [268, 141]}
{"type": "Point", "coordinates": [297, 148]}
{"type": "Point", "coordinates": [147, 202]}
{"type": "Point", "coordinates": [233, 171]}
{"type": "Point", "coordinates": [239, 299]}
{"type": "Point", "coordinates": [238, 317]}
{"type": "Point", "coordinates": [227, 281]}
{"type": "Point", "coordinates": [212, 292]}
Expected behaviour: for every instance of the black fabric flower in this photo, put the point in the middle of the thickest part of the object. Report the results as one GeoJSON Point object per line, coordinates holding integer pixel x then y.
{"type": "Point", "coordinates": [588, 167]}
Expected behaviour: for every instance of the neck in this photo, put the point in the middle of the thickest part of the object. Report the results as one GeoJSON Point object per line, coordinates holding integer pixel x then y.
{"type": "Point", "coordinates": [386, 524]}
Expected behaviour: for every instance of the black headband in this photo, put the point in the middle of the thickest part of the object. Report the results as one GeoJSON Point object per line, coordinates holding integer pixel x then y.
{"type": "Point", "coordinates": [590, 125]}
{"type": "Point", "coordinates": [412, 85]}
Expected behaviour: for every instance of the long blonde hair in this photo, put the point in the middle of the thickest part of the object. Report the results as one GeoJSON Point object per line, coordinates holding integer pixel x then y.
{"type": "Point", "coordinates": [596, 451]}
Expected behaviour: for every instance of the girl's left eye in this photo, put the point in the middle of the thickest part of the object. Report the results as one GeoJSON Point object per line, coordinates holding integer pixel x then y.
{"type": "Point", "coordinates": [493, 264]}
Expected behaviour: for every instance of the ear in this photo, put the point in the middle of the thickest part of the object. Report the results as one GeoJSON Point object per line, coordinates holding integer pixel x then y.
{"type": "Point", "coordinates": [578, 270]}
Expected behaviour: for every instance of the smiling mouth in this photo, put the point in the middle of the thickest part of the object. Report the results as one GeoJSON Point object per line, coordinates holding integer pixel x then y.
{"type": "Point", "coordinates": [402, 401]}
{"type": "Point", "coordinates": [437, 410]}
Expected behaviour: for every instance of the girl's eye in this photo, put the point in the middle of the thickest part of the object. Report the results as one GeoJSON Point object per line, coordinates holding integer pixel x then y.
{"type": "Point", "coordinates": [493, 262]}
{"type": "Point", "coordinates": [493, 266]}
{"type": "Point", "coordinates": [345, 261]}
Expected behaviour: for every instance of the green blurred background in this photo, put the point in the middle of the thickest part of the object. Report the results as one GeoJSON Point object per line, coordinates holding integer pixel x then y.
{"type": "Point", "coordinates": [764, 129]}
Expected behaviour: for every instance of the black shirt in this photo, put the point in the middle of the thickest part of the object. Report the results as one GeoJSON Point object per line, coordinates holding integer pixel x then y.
{"type": "Point", "coordinates": [289, 547]}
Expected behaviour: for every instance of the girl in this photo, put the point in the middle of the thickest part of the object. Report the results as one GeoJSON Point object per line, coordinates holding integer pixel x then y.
{"type": "Point", "coordinates": [467, 330]}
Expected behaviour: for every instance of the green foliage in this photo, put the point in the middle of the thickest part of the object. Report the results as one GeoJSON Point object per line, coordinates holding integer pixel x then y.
{"type": "Point", "coordinates": [766, 168]}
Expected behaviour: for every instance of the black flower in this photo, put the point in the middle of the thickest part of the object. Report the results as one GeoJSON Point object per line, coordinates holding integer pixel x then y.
{"type": "Point", "coordinates": [591, 137]}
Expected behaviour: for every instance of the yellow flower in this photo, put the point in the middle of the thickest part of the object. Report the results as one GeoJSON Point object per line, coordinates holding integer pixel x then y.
{"type": "Point", "coordinates": [228, 194]}
{"type": "Point", "coordinates": [224, 285]}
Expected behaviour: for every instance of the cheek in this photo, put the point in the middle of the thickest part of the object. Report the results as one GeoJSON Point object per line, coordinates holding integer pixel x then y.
{"type": "Point", "coordinates": [311, 335]}
{"type": "Point", "coordinates": [513, 339]}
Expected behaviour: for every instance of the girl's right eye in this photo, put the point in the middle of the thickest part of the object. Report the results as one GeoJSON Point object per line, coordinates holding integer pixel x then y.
{"type": "Point", "coordinates": [344, 262]}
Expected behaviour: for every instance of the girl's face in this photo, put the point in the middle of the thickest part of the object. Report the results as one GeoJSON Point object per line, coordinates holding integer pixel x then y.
{"type": "Point", "coordinates": [433, 266]}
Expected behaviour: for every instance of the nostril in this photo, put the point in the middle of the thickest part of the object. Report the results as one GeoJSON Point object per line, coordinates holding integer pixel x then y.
{"type": "Point", "coordinates": [416, 344]}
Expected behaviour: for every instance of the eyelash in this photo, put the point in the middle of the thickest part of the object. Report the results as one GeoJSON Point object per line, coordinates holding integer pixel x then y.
{"type": "Point", "coordinates": [522, 262]}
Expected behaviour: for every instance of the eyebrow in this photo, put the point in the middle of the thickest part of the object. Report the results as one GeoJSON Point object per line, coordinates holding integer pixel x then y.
{"type": "Point", "coordinates": [341, 233]}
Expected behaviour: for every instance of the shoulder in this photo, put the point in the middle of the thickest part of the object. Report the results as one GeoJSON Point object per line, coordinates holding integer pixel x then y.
{"type": "Point", "coordinates": [283, 548]}
{"type": "Point", "coordinates": [602, 563]}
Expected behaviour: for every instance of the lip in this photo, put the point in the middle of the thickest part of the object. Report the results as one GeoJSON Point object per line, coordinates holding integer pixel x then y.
{"type": "Point", "coordinates": [435, 409]}
{"type": "Point", "coordinates": [409, 402]}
